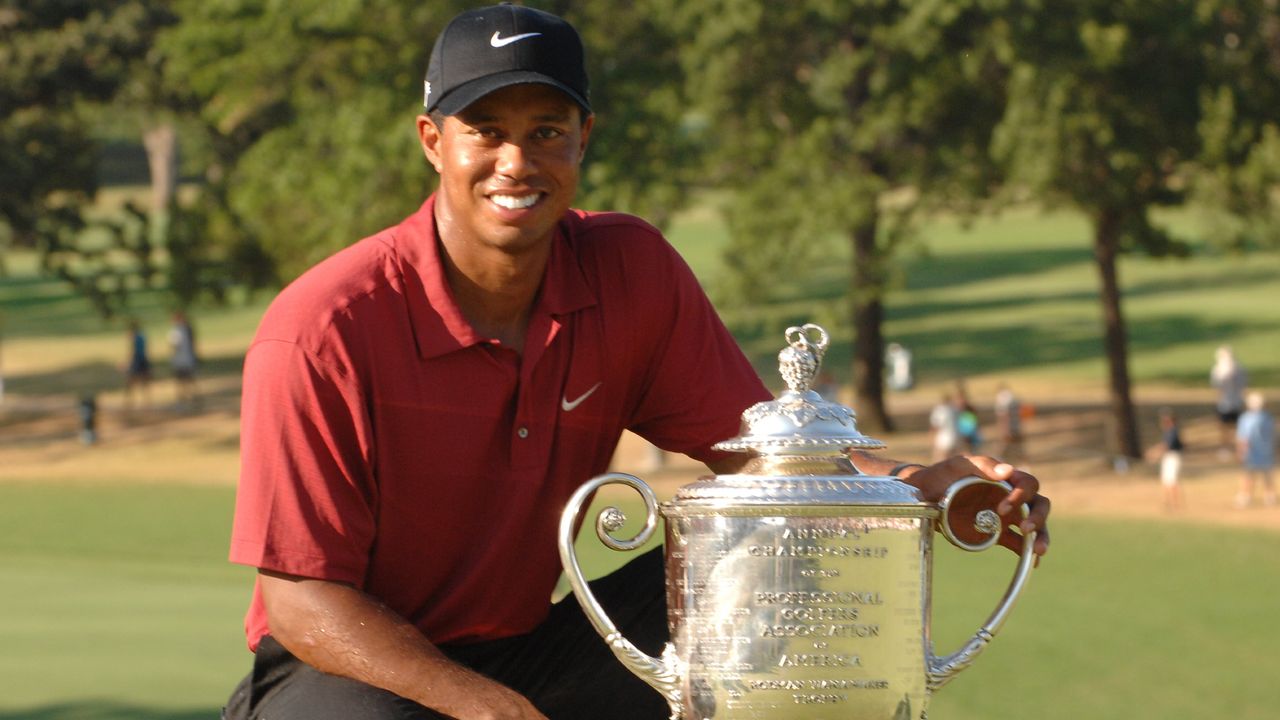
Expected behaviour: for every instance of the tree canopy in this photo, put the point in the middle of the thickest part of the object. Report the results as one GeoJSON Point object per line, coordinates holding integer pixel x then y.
{"type": "Point", "coordinates": [814, 111]}
{"type": "Point", "coordinates": [60, 63]}
{"type": "Point", "coordinates": [1117, 110]}
{"type": "Point", "coordinates": [812, 120]}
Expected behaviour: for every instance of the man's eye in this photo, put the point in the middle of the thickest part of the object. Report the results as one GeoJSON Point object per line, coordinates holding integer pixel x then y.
{"type": "Point", "coordinates": [485, 132]}
{"type": "Point", "coordinates": [547, 133]}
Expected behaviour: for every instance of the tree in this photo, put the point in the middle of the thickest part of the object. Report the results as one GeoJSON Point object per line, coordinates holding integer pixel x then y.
{"type": "Point", "coordinates": [60, 62]}
{"type": "Point", "coordinates": [641, 159]}
{"type": "Point", "coordinates": [816, 111]}
{"type": "Point", "coordinates": [1240, 158]}
{"type": "Point", "coordinates": [1103, 115]}
{"type": "Point", "coordinates": [308, 108]}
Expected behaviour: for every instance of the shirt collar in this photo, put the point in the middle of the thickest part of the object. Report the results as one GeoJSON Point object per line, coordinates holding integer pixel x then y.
{"type": "Point", "coordinates": [438, 324]}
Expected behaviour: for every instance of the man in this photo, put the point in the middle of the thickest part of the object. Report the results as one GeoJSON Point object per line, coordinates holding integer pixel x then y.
{"type": "Point", "coordinates": [1256, 446]}
{"type": "Point", "coordinates": [418, 408]}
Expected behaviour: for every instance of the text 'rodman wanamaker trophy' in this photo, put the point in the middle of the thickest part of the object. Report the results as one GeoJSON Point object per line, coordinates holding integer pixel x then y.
{"type": "Point", "coordinates": [799, 588]}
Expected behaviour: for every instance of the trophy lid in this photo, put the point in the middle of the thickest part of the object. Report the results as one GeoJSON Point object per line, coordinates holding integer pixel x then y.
{"type": "Point", "coordinates": [800, 421]}
{"type": "Point", "coordinates": [799, 443]}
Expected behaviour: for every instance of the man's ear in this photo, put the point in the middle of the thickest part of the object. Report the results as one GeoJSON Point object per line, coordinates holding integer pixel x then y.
{"type": "Point", "coordinates": [586, 136]}
{"type": "Point", "coordinates": [429, 135]}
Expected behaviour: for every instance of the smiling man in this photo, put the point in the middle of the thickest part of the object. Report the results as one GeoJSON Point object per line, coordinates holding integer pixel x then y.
{"type": "Point", "coordinates": [419, 407]}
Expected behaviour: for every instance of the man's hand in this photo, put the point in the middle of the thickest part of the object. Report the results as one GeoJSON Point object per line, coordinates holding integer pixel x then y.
{"type": "Point", "coordinates": [934, 480]}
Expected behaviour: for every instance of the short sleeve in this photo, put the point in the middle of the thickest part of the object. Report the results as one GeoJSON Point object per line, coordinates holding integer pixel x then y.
{"type": "Point", "coordinates": [699, 381]}
{"type": "Point", "coordinates": [306, 500]}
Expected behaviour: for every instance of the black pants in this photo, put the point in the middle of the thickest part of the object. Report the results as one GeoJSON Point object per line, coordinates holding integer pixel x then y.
{"type": "Point", "coordinates": [563, 666]}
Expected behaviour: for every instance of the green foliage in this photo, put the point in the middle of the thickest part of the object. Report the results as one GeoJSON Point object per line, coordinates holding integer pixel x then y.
{"type": "Point", "coordinates": [1241, 136]}
{"type": "Point", "coordinates": [814, 110]}
{"type": "Point", "coordinates": [60, 64]}
{"type": "Point", "coordinates": [643, 159]}
{"type": "Point", "coordinates": [309, 108]}
{"type": "Point", "coordinates": [1103, 106]}
{"type": "Point", "coordinates": [102, 259]}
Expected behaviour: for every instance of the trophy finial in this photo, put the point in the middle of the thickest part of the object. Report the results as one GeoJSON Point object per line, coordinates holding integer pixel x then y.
{"type": "Point", "coordinates": [799, 421]}
{"type": "Point", "coordinates": [798, 363]}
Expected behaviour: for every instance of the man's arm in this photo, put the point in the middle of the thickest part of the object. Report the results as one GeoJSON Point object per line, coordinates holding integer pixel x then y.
{"type": "Point", "coordinates": [340, 630]}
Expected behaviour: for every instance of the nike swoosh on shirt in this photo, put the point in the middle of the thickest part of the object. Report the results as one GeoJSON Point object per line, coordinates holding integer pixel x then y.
{"type": "Point", "coordinates": [498, 41]}
{"type": "Point", "coordinates": [568, 405]}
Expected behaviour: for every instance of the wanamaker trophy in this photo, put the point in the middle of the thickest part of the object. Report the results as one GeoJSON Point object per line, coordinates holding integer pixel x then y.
{"type": "Point", "coordinates": [798, 588]}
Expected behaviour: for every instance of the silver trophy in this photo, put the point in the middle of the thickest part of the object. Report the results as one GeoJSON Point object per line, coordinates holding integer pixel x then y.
{"type": "Point", "coordinates": [798, 588]}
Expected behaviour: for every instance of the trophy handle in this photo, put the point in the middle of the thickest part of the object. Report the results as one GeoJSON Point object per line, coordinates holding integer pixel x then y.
{"type": "Point", "coordinates": [986, 526]}
{"type": "Point", "coordinates": [662, 674]}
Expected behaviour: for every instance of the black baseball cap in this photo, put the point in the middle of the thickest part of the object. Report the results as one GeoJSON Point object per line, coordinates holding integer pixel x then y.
{"type": "Point", "coordinates": [489, 48]}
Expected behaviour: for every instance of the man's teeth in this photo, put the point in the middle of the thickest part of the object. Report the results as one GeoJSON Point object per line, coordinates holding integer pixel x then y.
{"type": "Point", "coordinates": [514, 202]}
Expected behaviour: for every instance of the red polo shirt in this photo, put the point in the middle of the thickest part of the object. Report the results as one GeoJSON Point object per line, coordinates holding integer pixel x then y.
{"type": "Point", "coordinates": [387, 445]}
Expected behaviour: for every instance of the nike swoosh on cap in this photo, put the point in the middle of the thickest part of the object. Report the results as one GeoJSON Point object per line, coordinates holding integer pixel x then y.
{"type": "Point", "coordinates": [568, 405]}
{"type": "Point", "coordinates": [498, 41]}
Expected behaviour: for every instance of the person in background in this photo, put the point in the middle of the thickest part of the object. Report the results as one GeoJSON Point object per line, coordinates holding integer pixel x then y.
{"type": "Point", "coordinates": [1, 358]}
{"type": "Point", "coordinates": [88, 408]}
{"type": "Point", "coordinates": [1008, 410]}
{"type": "Point", "coordinates": [943, 434]}
{"type": "Point", "coordinates": [1168, 452]}
{"type": "Point", "coordinates": [1256, 445]}
{"type": "Point", "coordinates": [137, 372]}
{"type": "Point", "coordinates": [898, 360]}
{"type": "Point", "coordinates": [182, 346]}
{"type": "Point", "coordinates": [1229, 378]}
{"type": "Point", "coordinates": [967, 423]}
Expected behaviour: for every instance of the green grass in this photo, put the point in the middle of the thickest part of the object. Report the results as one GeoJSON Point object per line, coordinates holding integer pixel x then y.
{"type": "Point", "coordinates": [1123, 620]}
{"type": "Point", "coordinates": [118, 604]}
{"type": "Point", "coordinates": [1017, 296]}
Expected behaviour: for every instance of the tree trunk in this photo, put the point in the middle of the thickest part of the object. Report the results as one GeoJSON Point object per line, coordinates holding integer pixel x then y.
{"type": "Point", "coordinates": [868, 319]}
{"type": "Point", "coordinates": [1106, 245]}
{"type": "Point", "coordinates": [161, 143]}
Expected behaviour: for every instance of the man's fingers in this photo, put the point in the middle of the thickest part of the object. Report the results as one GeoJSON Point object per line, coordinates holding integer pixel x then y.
{"type": "Point", "coordinates": [1037, 515]}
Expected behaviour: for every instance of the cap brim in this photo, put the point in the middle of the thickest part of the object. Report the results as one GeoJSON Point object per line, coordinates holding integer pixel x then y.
{"type": "Point", "coordinates": [460, 97]}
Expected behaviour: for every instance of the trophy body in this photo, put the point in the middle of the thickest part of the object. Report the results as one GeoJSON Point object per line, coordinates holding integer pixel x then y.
{"type": "Point", "coordinates": [799, 615]}
{"type": "Point", "coordinates": [798, 588]}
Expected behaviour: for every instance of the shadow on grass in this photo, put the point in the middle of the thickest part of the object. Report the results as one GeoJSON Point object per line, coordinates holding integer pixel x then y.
{"type": "Point", "coordinates": [38, 306]}
{"type": "Point", "coordinates": [1019, 346]}
{"type": "Point", "coordinates": [820, 297]}
{"type": "Point", "coordinates": [107, 710]}
{"type": "Point", "coordinates": [99, 376]}
{"type": "Point", "coordinates": [943, 271]}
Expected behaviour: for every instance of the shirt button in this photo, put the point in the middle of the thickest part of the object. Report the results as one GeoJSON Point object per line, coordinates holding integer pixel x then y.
{"type": "Point", "coordinates": [522, 433]}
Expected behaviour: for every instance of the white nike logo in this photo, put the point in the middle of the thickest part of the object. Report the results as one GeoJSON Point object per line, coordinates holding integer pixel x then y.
{"type": "Point", "coordinates": [568, 406]}
{"type": "Point", "coordinates": [497, 41]}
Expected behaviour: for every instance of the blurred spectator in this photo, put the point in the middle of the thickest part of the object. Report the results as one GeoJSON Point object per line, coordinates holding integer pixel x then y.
{"type": "Point", "coordinates": [1168, 452]}
{"type": "Point", "coordinates": [182, 342]}
{"type": "Point", "coordinates": [1009, 423]}
{"type": "Point", "coordinates": [1230, 379]}
{"type": "Point", "coordinates": [1256, 444]}
{"type": "Point", "coordinates": [967, 424]}
{"type": "Point", "coordinates": [137, 373]}
{"type": "Point", "coordinates": [88, 419]}
{"type": "Point", "coordinates": [898, 361]}
{"type": "Point", "coordinates": [942, 429]}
